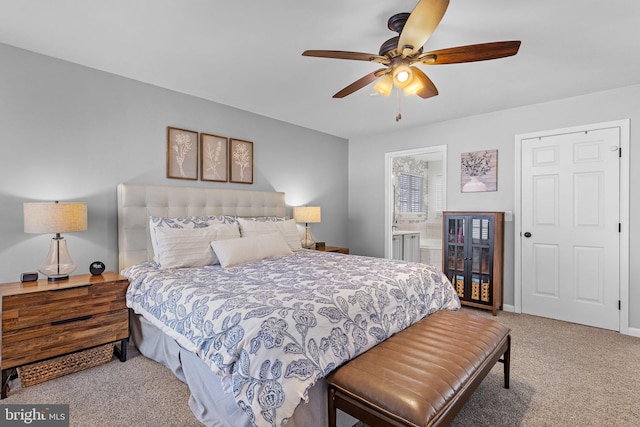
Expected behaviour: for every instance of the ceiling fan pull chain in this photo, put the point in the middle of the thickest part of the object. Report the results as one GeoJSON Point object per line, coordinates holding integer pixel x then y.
{"type": "Point", "coordinates": [399, 115]}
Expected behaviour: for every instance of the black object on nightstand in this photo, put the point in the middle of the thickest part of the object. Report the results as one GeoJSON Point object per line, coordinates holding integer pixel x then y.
{"type": "Point", "coordinates": [96, 268]}
{"type": "Point", "coordinates": [29, 277]}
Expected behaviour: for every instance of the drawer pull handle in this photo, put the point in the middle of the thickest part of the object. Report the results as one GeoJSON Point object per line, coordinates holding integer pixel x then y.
{"type": "Point", "coordinates": [75, 319]}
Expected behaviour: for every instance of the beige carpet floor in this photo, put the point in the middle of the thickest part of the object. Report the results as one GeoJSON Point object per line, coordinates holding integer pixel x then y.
{"type": "Point", "coordinates": [562, 374]}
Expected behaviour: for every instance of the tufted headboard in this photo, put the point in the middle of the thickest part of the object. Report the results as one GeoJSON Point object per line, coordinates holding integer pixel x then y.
{"type": "Point", "coordinates": [136, 203]}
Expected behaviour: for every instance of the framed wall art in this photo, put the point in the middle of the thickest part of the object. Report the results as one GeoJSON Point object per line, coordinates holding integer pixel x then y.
{"type": "Point", "coordinates": [182, 153]}
{"type": "Point", "coordinates": [479, 171]}
{"type": "Point", "coordinates": [241, 161]}
{"type": "Point", "coordinates": [213, 158]}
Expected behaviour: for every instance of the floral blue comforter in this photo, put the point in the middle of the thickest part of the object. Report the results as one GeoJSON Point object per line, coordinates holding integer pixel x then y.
{"type": "Point", "coordinates": [272, 328]}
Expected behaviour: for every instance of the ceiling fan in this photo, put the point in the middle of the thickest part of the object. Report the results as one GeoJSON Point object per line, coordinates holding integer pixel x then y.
{"type": "Point", "coordinates": [399, 54]}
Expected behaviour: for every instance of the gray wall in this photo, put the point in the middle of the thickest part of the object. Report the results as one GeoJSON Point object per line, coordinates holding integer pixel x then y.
{"type": "Point", "coordinates": [489, 131]}
{"type": "Point", "coordinates": [72, 133]}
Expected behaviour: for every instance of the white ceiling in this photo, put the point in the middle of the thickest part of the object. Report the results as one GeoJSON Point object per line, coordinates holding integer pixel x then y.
{"type": "Point", "coordinates": [247, 54]}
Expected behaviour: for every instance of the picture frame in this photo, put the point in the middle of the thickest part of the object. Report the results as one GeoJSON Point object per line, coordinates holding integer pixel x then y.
{"type": "Point", "coordinates": [240, 161]}
{"type": "Point", "coordinates": [479, 171]}
{"type": "Point", "coordinates": [182, 153]}
{"type": "Point", "coordinates": [214, 158]}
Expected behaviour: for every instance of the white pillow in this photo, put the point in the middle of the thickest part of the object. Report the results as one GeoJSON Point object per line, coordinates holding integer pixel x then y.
{"type": "Point", "coordinates": [232, 252]}
{"type": "Point", "coordinates": [226, 231]}
{"type": "Point", "coordinates": [184, 222]}
{"type": "Point", "coordinates": [287, 228]}
{"type": "Point", "coordinates": [190, 247]}
{"type": "Point", "coordinates": [185, 247]}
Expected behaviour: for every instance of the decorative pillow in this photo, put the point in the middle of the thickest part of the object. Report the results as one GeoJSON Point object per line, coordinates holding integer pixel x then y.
{"type": "Point", "coordinates": [185, 247]}
{"type": "Point", "coordinates": [232, 252]}
{"type": "Point", "coordinates": [191, 247]}
{"type": "Point", "coordinates": [287, 228]}
{"type": "Point", "coordinates": [187, 222]}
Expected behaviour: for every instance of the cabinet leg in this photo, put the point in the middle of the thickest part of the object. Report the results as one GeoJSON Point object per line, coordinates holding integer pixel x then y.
{"type": "Point", "coordinates": [5, 384]}
{"type": "Point", "coordinates": [121, 352]}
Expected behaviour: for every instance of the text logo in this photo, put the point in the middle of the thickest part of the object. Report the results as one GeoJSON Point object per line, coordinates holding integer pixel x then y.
{"type": "Point", "coordinates": [34, 415]}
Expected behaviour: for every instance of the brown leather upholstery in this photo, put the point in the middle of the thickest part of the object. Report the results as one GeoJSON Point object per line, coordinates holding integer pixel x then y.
{"type": "Point", "coordinates": [423, 375]}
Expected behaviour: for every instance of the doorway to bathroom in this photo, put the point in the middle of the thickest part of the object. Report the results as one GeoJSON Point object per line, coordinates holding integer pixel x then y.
{"type": "Point", "coordinates": [415, 197]}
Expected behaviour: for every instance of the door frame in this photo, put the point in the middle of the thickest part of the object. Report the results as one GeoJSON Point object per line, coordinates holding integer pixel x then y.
{"type": "Point", "coordinates": [623, 126]}
{"type": "Point", "coordinates": [388, 184]}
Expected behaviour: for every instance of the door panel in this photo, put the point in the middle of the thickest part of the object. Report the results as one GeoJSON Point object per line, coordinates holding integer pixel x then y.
{"type": "Point", "coordinates": [545, 268]}
{"type": "Point", "coordinates": [570, 207]}
{"type": "Point", "coordinates": [545, 202]}
{"type": "Point", "coordinates": [588, 271]}
{"type": "Point", "coordinates": [589, 201]}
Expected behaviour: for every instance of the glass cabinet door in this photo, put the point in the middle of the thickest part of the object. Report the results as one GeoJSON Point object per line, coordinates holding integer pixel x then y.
{"type": "Point", "coordinates": [481, 259]}
{"type": "Point", "coordinates": [456, 253]}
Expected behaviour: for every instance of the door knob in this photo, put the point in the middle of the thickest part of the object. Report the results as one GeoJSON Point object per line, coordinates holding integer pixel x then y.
{"type": "Point", "coordinates": [527, 234]}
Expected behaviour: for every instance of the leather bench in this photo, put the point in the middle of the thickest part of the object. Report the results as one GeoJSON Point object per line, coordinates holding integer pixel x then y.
{"type": "Point", "coordinates": [423, 375]}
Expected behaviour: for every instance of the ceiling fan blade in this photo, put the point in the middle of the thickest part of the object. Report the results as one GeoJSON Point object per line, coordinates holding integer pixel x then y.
{"type": "Point", "coordinates": [340, 54]}
{"type": "Point", "coordinates": [470, 53]}
{"type": "Point", "coordinates": [429, 89]}
{"type": "Point", "coordinates": [359, 84]}
{"type": "Point", "coordinates": [420, 25]}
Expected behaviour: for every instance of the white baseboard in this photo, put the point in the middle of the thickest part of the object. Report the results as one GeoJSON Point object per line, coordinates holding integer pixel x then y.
{"type": "Point", "coordinates": [510, 308]}
{"type": "Point", "coordinates": [634, 332]}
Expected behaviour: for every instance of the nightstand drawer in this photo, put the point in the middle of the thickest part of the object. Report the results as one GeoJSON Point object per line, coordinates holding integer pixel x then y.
{"type": "Point", "coordinates": [42, 308]}
{"type": "Point", "coordinates": [40, 342]}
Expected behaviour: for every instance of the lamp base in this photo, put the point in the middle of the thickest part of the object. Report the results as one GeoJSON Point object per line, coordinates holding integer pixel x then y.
{"type": "Point", "coordinates": [307, 239]}
{"type": "Point", "coordinates": [56, 278]}
{"type": "Point", "coordinates": [58, 263]}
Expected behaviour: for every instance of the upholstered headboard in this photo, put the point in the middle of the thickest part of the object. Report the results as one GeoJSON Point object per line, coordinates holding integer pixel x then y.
{"type": "Point", "coordinates": [136, 203]}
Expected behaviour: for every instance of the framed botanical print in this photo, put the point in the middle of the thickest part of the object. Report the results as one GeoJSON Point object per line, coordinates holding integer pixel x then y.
{"type": "Point", "coordinates": [182, 153]}
{"type": "Point", "coordinates": [213, 158]}
{"type": "Point", "coordinates": [479, 171]}
{"type": "Point", "coordinates": [241, 161]}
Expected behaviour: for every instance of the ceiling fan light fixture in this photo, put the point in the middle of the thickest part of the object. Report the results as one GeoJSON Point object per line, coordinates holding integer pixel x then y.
{"type": "Point", "coordinates": [384, 85]}
{"type": "Point", "coordinates": [414, 87]}
{"type": "Point", "coordinates": [402, 75]}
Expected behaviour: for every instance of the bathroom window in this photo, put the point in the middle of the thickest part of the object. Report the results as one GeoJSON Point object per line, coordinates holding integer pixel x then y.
{"type": "Point", "coordinates": [410, 193]}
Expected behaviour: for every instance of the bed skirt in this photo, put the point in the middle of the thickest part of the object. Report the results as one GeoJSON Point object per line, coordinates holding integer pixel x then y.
{"type": "Point", "coordinates": [210, 405]}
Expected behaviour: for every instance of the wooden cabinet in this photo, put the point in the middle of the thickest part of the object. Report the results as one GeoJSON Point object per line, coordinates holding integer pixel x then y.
{"type": "Point", "coordinates": [406, 246]}
{"type": "Point", "coordinates": [336, 249]}
{"type": "Point", "coordinates": [472, 257]}
{"type": "Point", "coordinates": [44, 319]}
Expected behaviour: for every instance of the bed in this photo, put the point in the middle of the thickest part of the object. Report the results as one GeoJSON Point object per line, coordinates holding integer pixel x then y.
{"type": "Point", "coordinates": [254, 330]}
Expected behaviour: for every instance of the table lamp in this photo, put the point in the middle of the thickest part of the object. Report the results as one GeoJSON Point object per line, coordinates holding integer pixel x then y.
{"type": "Point", "coordinates": [56, 217]}
{"type": "Point", "coordinates": [307, 214]}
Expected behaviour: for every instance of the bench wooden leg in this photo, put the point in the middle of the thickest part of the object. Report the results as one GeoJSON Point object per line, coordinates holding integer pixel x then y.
{"type": "Point", "coordinates": [507, 362]}
{"type": "Point", "coordinates": [332, 407]}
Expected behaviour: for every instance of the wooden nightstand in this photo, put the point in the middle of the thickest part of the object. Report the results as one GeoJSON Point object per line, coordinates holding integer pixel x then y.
{"type": "Point", "coordinates": [332, 249]}
{"type": "Point", "coordinates": [45, 319]}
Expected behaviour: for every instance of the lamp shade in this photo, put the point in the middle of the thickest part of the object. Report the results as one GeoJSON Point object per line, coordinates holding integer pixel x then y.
{"type": "Point", "coordinates": [384, 85]}
{"type": "Point", "coordinates": [307, 214]}
{"type": "Point", "coordinates": [54, 217]}
{"type": "Point", "coordinates": [414, 87]}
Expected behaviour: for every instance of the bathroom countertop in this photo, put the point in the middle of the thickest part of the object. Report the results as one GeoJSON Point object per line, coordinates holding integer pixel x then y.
{"type": "Point", "coordinates": [401, 232]}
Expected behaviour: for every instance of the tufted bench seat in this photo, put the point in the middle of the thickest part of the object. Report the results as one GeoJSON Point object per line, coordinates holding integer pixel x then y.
{"type": "Point", "coordinates": [422, 375]}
